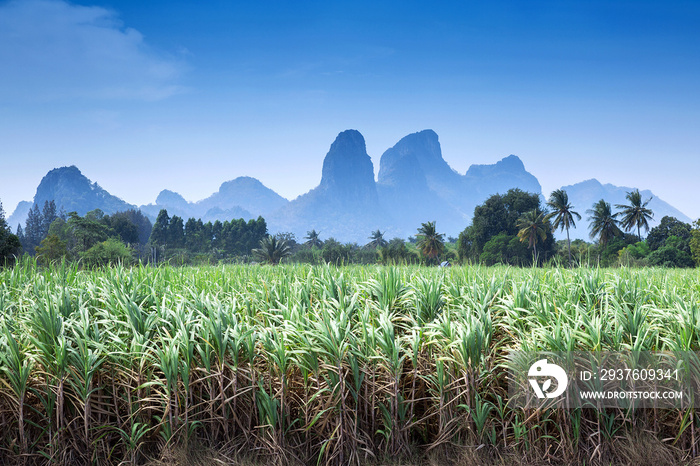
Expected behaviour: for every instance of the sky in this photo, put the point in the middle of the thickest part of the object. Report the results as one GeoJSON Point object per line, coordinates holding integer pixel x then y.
{"type": "Point", "coordinates": [180, 95]}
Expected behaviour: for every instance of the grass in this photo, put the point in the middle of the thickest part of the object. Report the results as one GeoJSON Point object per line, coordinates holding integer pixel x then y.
{"type": "Point", "coordinates": [350, 365]}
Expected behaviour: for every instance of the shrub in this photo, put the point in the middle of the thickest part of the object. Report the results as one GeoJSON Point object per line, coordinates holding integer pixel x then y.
{"type": "Point", "coordinates": [668, 256]}
{"type": "Point", "coordinates": [108, 252]}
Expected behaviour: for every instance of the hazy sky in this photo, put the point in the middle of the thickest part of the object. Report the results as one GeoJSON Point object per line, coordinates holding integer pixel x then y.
{"type": "Point", "coordinates": [148, 95]}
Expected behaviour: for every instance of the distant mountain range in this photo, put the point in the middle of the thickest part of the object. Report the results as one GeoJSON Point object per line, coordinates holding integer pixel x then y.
{"type": "Point", "coordinates": [244, 197]}
{"type": "Point", "coordinates": [72, 191]}
{"type": "Point", "coordinates": [586, 193]}
{"type": "Point", "coordinates": [415, 184]}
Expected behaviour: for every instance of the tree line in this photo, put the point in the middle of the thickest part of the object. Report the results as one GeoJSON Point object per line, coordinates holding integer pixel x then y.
{"type": "Point", "coordinates": [52, 235]}
{"type": "Point", "coordinates": [426, 247]}
{"type": "Point", "coordinates": [514, 228]}
{"type": "Point", "coordinates": [517, 229]}
{"type": "Point", "coordinates": [208, 241]}
{"type": "Point", "coordinates": [10, 245]}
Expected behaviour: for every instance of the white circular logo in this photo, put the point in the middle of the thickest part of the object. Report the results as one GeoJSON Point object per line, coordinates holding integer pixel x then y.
{"type": "Point", "coordinates": [542, 369]}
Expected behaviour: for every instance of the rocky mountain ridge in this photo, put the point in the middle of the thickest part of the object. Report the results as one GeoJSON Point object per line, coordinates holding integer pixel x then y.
{"type": "Point", "coordinates": [584, 194]}
{"type": "Point", "coordinates": [414, 185]}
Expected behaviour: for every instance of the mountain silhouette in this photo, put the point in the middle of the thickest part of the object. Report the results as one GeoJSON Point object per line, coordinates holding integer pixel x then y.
{"type": "Point", "coordinates": [345, 205]}
{"type": "Point", "coordinates": [414, 185]}
{"type": "Point", "coordinates": [243, 197]}
{"type": "Point", "coordinates": [586, 193]}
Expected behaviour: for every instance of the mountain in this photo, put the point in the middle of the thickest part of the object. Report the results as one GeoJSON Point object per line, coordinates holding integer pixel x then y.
{"type": "Point", "coordinates": [172, 199]}
{"type": "Point", "coordinates": [217, 213]}
{"type": "Point", "coordinates": [243, 197]}
{"type": "Point", "coordinates": [173, 202]}
{"type": "Point", "coordinates": [416, 184]}
{"type": "Point", "coordinates": [345, 204]}
{"type": "Point", "coordinates": [19, 216]}
{"type": "Point", "coordinates": [348, 173]}
{"type": "Point", "coordinates": [507, 173]}
{"type": "Point", "coordinates": [406, 192]}
{"type": "Point", "coordinates": [586, 193]}
{"type": "Point", "coordinates": [423, 149]}
{"type": "Point", "coordinates": [246, 193]}
{"type": "Point", "coordinates": [71, 191]}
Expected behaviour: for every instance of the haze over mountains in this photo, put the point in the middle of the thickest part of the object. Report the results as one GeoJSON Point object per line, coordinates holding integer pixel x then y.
{"type": "Point", "coordinates": [415, 184]}
{"type": "Point", "coordinates": [345, 205]}
{"type": "Point", "coordinates": [244, 197]}
{"type": "Point", "coordinates": [584, 194]}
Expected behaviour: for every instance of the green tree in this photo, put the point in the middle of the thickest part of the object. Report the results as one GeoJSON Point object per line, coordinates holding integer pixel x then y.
{"type": "Point", "coordinates": [609, 255]}
{"type": "Point", "coordinates": [32, 234]}
{"type": "Point", "coordinates": [505, 249]}
{"type": "Point", "coordinates": [634, 254]}
{"type": "Point", "coordinates": [176, 232]}
{"type": "Point", "coordinates": [378, 240]}
{"type": "Point", "coordinates": [603, 224]}
{"type": "Point", "coordinates": [290, 238]}
{"type": "Point", "coordinates": [217, 240]}
{"type": "Point", "coordinates": [272, 250]}
{"type": "Point", "coordinates": [48, 215]}
{"type": "Point", "coordinates": [63, 231]}
{"type": "Point", "coordinates": [193, 235]}
{"type": "Point", "coordinates": [396, 252]}
{"type": "Point", "coordinates": [667, 227]}
{"type": "Point", "coordinates": [312, 239]}
{"type": "Point", "coordinates": [10, 245]}
{"type": "Point", "coordinates": [563, 214]}
{"type": "Point", "coordinates": [636, 214]}
{"type": "Point", "coordinates": [131, 226]}
{"type": "Point", "coordinates": [669, 256]}
{"type": "Point", "coordinates": [430, 243]}
{"type": "Point", "coordinates": [159, 233]}
{"type": "Point", "coordinates": [254, 232]}
{"type": "Point", "coordinates": [52, 249]}
{"type": "Point", "coordinates": [533, 228]}
{"type": "Point", "coordinates": [123, 227]}
{"type": "Point", "coordinates": [87, 230]}
{"type": "Point", "coordinates": [500, 214]}
{"type": "Point", "coordinates": [334, 252]}
{"type": "Point", "coordinates": [695, 242]}
{"type": "Point", "coordinates": [109, 252]}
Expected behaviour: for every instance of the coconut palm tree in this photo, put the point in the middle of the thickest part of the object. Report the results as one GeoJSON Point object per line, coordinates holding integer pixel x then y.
{"type": "Point", "coordinates": [378, 240]}
{"type": "Point", "coordinates": [272, 250]}
{"type": "Point", "coordinates": [313, 239]}
{"type": "Point", "coordinates": [563, 214]}
{"type": "Point", "coordinates": [603, 223]}
{"type": "Point", "coordinates": [636, 214]}
{"type": "Point", "coordinates": [532, 228]}
{"type": "Point", "coordinates": [430, 242]}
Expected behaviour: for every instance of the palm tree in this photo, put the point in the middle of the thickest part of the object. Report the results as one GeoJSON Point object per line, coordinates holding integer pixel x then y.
{"type": "Point", "coordinates": [430, 242]}
{"type": "Point", "coordinates": [563, 214]}
{"type": "Point", "coordinates": [272, 250]}
{"type": "Point", "coordinates": [378, 240]}
{"type": "Point", "coordinates": [533, 227]}
{"type": "Point", "coordinates": [313, 239]}
{"type": "Point", "coordinates": [635, 214]}
{"type": "Point", "coordinates": [603, 222]}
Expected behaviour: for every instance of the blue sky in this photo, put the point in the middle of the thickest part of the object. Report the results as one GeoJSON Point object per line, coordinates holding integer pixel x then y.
{"type": "Point", "coordinates": [144, 96]}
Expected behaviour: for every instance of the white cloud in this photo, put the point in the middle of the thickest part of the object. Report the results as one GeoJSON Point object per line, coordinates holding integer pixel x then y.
{"type": "Point", "coordinates": [50, 49]}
